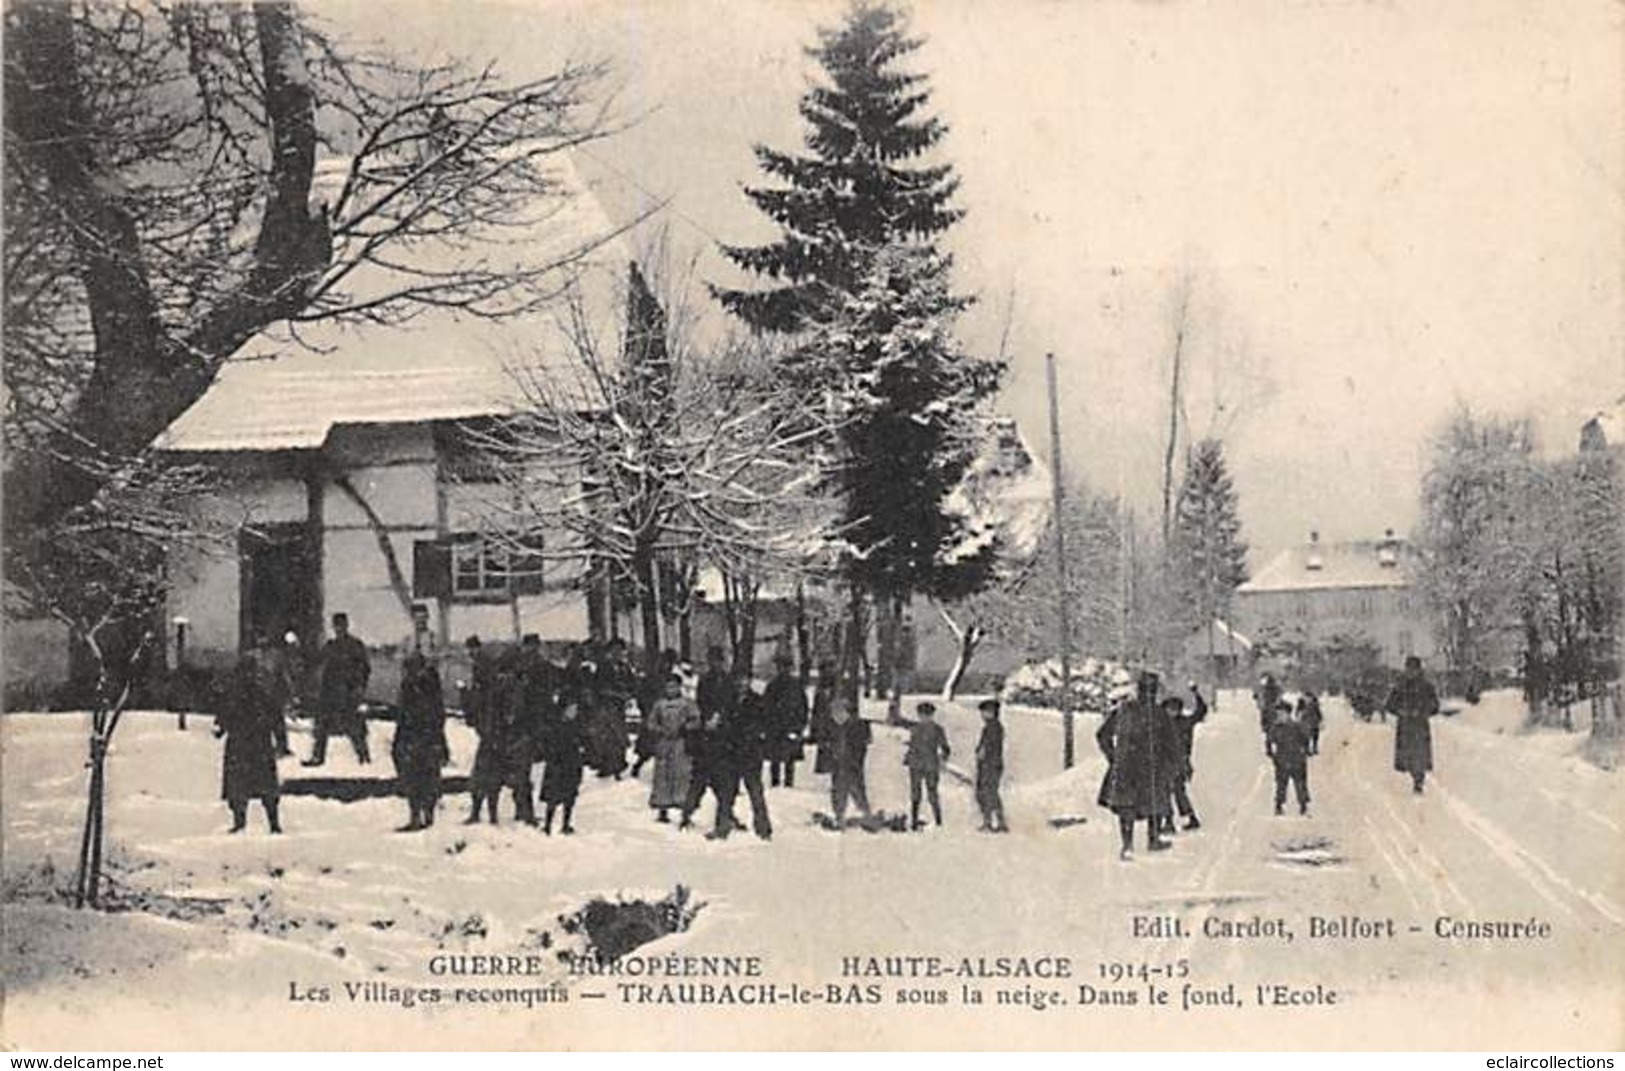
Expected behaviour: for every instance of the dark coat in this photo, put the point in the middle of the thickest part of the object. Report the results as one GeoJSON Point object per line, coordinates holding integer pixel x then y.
{"type": "Point", "coordinates": [715, 693]}
{"type": "Point", "coordinates": [1413, 701]}
{"type": "Point", "coordinates": [248, 720]}
{"type": "Point", "coordinates": [990, 756]}
{"type": "Point", "coordinates": [484, 717]}
{"type": "Point", "coordinates": [607, 736]}
{"type": "Point", "coordinates": [345, 670]}
{"type": "Point", "coordinates": [1183, 729]}
{"type": "Point", "coordinates": [823, 725]}
{"type": "Point", "coordinates": [928, 747]}
{"type": "Point", "coordinates": [419, 749]}
{"type": "Point", "coordinates": [1139, 746]}
{"type": "Point", "coordinates": [786, 704]}
{"type": "Point", "coordinates": [566, 754]}
{"type": "Point", "coordinates": [745, 734]}
{"type": "Point", "coordinates": [1267, 697]}
{"type": "Point", "coordinates": [1288, 744]}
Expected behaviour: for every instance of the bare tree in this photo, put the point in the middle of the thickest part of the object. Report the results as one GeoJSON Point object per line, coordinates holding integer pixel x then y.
{"type": "Point", "coordinates": [102, 570]}
{"type": "Point", "coordinates": [658, 450]}
{"type": "Point", "coordinates": [180, 178]}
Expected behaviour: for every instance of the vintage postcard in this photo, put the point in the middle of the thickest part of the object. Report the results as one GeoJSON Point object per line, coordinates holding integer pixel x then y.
{"type": "Point", "coordinates": [816, 524]}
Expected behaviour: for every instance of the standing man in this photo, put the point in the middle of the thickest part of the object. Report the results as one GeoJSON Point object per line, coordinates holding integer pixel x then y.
{"type": "Point", "coordinates": [1137, 742]}
{"type": "Point", "coordinates": [850, 737]}
{"type": "Point", "coordinates": [1266, 696]}
{"type": "Point", "coordinates": [786, 705]}
{"type": "Point", "coordinates": [481, 715]}
{"type": "Point", "coordinates": [1412, 702]}
{"type": "Point", "coordinates": [990, 768]}
{"type": "Point", "coordinates": [1288, 748]}
{"type": "Point", "coordinates": [606, 733]}
{"type": "Point", "coordinates": [927, 751]}
{"type": "Point", "coordinates": [419, 748]}
{"type": "Point", "coordinates": [248, 720]}
{"type": "Point", "coordinates": [745, 732]}
{"type": "Point", "coordinates": [345, 670]}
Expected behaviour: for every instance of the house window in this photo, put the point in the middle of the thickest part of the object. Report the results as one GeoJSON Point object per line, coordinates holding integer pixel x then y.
{"type": "Point", "coordinates": [479, 568]}
{"type": "Point", "coordinates": [469, 568]}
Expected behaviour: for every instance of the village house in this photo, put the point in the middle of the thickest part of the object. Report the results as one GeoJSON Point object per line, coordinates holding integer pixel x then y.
{"type": "Point", "coordinates": [1321, 592]}
{"type": "Point", "coordinates": [346, 473]}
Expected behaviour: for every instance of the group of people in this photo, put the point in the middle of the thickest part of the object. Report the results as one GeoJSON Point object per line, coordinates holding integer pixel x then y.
{"type": "Point", "coordinates": [527, 710]}
{"type": "Point", "coordinates": [1147, 738]}
{"type": "Point", "coordinates": [729, 738]}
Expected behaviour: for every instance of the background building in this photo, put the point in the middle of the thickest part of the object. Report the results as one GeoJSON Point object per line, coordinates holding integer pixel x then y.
{"type": "Point", "coordinates": [1320, 593]}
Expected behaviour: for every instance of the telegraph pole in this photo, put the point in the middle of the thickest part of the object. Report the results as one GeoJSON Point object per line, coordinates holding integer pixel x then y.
{"type": "Point", "coordinates": [1063, 620]}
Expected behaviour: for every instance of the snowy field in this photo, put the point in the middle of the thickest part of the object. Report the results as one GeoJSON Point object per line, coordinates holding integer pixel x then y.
{"type": "Point", "coordinates": [1514, 825]}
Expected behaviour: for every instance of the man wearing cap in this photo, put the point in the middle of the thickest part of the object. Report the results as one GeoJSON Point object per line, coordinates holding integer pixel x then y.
{"type": "Point", "coordinates": [927, 751]}
{"type": "Point", "coordinates": [345, 670]}
{"type": "Point", "coordinates": [990, 768]}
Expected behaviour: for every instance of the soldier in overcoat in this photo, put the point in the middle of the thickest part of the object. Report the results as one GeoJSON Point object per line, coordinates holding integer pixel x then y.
{"type": "Point", "coordinates": [786, 705]}
{"type": "Point", "coordinates": [1137, 741]}
{"type": "Point", "coordinates": [1413, 701]}
{"type": "Point", "coordinates": [419, 749]}
{"type": "Point", "coordinates": [345, 670]}
{"type": "Point", "coordinates": [248, 718]}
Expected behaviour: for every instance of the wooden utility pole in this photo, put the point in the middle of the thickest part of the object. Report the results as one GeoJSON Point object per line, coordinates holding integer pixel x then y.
{"type": "Point", "coordinates": [1063, 620]}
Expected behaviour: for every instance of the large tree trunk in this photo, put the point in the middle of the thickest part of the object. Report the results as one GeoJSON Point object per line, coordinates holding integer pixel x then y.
{"type": "Point", "coordinates": [969, 638]}
{"type": "Point", "coordinates": [145, 374]}
{"type": "Point", "coordinates": [644, 568]}
{"type": "Point", "coordinates": [803, 637]}
{"type": "Point", "coordinates": [852, 649]}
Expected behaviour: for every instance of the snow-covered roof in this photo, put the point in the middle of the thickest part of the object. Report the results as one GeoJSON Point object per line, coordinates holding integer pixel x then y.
{"type": "Point", "coordinates": [263, 407]}
{"type": "Point", "coordinates": [287, 390]}
{"type": "Point", "coordinates": [1005, 495]}
{"type": "Point", "coordinates": [1321, 566]}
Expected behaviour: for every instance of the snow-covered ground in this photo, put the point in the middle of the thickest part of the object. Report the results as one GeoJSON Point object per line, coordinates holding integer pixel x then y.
{"type": "Point", "coordinates": [228, 930]}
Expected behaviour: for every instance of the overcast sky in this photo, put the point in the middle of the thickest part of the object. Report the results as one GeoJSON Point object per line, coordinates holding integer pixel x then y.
{"type": "Point", "coordinates": [1379, 211]}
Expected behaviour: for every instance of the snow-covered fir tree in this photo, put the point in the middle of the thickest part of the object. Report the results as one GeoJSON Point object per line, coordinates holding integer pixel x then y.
{"type": "Point", "coordinates": [858, 186]}
{"type": "Point", "coordinates": [1207, 557]}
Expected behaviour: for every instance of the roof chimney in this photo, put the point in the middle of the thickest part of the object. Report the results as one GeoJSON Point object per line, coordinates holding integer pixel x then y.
{"type": "Point", "coordinates": [1388, 550]}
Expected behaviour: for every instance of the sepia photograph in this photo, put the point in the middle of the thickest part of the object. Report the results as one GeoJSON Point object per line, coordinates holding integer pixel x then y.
{"type": "Point", "coordinates": [813, 525]}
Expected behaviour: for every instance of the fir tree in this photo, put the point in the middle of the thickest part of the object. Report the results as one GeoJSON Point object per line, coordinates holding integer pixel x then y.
{"type": "Point", "coordinates": [853, 190]}
{"type": "Point", "coordinates": [1207, 556]}
{"type": "Point", "coordinates": [909, 405]}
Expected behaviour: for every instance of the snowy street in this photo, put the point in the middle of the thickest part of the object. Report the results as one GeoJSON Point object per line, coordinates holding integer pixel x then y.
{"type": "Point", "coordinates": [1513, 828]}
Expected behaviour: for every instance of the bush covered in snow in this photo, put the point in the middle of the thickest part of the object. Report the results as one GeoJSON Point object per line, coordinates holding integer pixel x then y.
{"type": "Point", "coordinates": [1095, 684]}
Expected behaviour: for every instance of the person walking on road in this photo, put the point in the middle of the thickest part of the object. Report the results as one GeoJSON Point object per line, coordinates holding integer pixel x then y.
{"type": "Point", "coordinates": [1288, 749]}
{"type": "Point", "coordinates": [1412, 702]}
{"type": "Point", "coordinates": [927, 751]}
{"type": "Point", "coordinates": [990, 768]}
